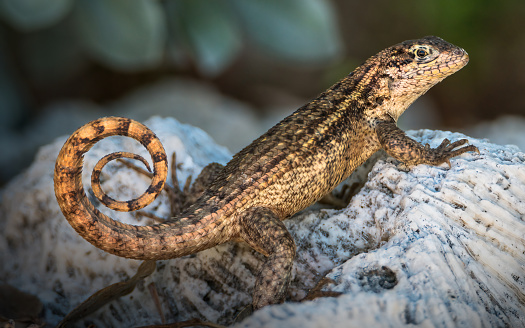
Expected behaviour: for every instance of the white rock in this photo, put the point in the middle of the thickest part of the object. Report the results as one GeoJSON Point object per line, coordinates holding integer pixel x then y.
{"type": "Point", "coordinates": [429, 246]}
{"type": "Point", "coordinates": [453, 238]}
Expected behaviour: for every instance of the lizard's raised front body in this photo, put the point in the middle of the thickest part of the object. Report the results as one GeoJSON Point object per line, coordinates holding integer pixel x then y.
{"type": "Point", "coordinates": [288, 168]}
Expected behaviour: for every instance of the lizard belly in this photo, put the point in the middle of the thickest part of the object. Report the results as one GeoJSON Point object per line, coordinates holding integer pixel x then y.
{"type": "Point", "coordinates": [309, 180]}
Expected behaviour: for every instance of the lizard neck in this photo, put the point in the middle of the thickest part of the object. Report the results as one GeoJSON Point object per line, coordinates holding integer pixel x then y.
{"type": "Point", "coordinates": [359, 92]}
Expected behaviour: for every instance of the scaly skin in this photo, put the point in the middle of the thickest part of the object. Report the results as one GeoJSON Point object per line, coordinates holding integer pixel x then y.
{"type": "Point", "coordinates": [291, 166]}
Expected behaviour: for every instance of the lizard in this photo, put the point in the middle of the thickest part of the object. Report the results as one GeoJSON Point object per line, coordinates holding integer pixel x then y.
{"type": "Point", "coordinates": [291, 166]}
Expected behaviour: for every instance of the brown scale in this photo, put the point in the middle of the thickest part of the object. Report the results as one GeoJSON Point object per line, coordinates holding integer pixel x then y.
{"type": "Point", "coordinates": [288, 168]}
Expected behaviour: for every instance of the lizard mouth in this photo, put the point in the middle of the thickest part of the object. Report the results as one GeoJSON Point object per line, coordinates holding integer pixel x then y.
{"type": "Point", "coordinates": [456, 61]}
{"type": "Point", "coordinates": [462, 54]}
{"type": "Point", "coordinates": [446, 64]}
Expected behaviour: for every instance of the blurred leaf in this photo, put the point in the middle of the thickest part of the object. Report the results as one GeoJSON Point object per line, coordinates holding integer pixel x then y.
{"type": "Point", "coordinates": [30, 15]}
{"type": "Point", "coordinates": [51, 55]}
{"type": "Point", "coordinates": [13, 106]}
{"type": "Point", "coordinates": [209, 30]}
{"type": "Point", "coordinates": [126, 35]}
{"type": "Point", "coordinates": [304, 30]}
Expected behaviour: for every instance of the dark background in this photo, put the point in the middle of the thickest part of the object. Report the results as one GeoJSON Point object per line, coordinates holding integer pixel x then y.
{"type": "Point", "coordinates": [266, 53]}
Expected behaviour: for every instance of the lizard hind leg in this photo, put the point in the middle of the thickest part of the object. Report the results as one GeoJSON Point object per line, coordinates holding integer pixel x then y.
{"type": "Point", "coordinates": [266, 233]}
{"type": "Point", "coordinates": [123, 206]}
{"type": "Point", "coordinates": [207, 176]}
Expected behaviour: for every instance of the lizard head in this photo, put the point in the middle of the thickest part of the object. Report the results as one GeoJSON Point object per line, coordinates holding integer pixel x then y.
{"type": "Point", "coordinates": [414, 66]}
{"type": "Point", "coordinates": [430, 59]}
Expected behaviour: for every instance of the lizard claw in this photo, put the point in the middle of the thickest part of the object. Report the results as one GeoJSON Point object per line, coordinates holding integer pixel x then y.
{"type": "Point", "coordinates": [245, 313]}
{"type": "Point", "coordinates": [447, 150]}
{"type": "Point", "coordinates": [444, 144]}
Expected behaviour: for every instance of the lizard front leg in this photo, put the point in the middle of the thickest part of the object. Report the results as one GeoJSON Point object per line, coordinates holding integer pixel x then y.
{"type": "Point", "coordinates": [400, 146]}
{"type": "Point", "coordinates": [262, 229]}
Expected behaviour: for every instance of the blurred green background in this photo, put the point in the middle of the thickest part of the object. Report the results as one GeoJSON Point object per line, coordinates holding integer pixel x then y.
{"type": "Point", "coordinates": [272, 55]}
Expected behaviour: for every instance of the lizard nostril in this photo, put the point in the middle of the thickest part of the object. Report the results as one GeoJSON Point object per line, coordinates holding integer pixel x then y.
{"type": "Point", "coordinates": [458, 52]}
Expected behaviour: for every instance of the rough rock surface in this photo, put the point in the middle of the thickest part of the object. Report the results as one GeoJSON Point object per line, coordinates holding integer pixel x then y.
{"type": "Point", "coordinates": [429, 246]}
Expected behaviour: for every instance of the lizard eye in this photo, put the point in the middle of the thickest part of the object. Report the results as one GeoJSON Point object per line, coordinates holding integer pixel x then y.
{"type": "Point", "coordinates": [421, 53]}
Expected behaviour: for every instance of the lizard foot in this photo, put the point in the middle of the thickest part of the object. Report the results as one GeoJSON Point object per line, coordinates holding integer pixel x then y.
{"type": "Point", "coordinates": [341, 198]}
{"type": "Point", "coordinates": [188, 323]}
{"type": "Point", "coordinates": [316, 292]}
{"type": "Point", "coordinates": [447, 150]}
{"type": "Point", "coordinates": [176, 195]}
{"type": "Point", "coordinates": [245, 313]}
{"type": "Point", "coordinates": [108, 294]}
